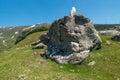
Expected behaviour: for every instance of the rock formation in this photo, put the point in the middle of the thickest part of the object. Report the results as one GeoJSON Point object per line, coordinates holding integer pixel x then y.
{"type": "Point", "coordinates": [114, 33]}
{"type": "Point", "coordinates": [109, 32]}
{"type": "Point", "coordinates": [70, 39]}
{"type": "Point", "coordinates": [116, 37]}
{"type": "Point", "coordinates": [44, 40]}
{"type": "Point", "coordinates": [117, 28]}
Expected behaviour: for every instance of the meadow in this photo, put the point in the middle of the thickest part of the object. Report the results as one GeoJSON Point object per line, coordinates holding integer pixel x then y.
{"type": "Point", "coordinates": [21, 62]}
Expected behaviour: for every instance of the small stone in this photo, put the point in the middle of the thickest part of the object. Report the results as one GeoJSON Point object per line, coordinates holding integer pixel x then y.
{"type": "Point", "coordinates": [108, 43]}
{"type": "Point", "coordinates": [39, 46]}
{"type": "Point", "coordinates": [92, 63]}
{"type": "Point", "coordinates": [22, 77]}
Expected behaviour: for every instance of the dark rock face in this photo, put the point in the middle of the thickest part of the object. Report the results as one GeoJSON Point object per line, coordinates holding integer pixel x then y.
{"type": "Point", "coordinates": [44, 40]}
{"type": "Point", "coordinates": [70, 39]}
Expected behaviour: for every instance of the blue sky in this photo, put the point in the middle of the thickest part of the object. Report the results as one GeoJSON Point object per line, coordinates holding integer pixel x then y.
{"type": "Point", "coordinates": [29, 12]}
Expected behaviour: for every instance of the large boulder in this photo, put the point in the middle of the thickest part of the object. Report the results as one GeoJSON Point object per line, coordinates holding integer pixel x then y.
{"type": "Point", "coordinates": [71, 39]}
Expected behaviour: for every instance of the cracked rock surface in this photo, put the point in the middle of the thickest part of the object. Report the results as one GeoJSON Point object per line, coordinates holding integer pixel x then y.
{"type": "Point", "coordinates": [71, 39]}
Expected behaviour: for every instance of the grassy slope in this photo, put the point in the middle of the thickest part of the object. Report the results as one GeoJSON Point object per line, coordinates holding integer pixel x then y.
{"type": "Point", "coordinates": [7, 33]}
{"type": "Point", "coordinates": [19, 63]}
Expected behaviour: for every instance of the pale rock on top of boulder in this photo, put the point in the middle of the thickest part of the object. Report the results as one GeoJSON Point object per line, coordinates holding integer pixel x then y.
{"type": "Point", "coordinates": [73, 11]}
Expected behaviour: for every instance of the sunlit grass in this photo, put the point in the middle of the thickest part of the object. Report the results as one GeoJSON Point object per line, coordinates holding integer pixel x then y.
{"type": "Point", "coordinates": [20, 63]}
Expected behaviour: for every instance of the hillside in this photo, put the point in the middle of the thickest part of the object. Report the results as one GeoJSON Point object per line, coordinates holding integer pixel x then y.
{"type": "Point", "coordinates": [8, 36]}
{"type": "Point", "coordinates": [12, 35]}
{"type": "Point", "coordinates": [105, 26]}
{"type": "Point", "coordinates": [21, 62]}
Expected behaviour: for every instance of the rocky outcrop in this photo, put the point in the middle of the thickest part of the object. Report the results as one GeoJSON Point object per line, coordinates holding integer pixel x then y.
{"type": "Point", "coordinates": [109, 32]}
{"type": "Point", "coordinates": [40, 44]}
{"type": "Point", "coordinates": [117, 28]}
{"type": "Point", "coordinates": [71, 39]}
{"type": "Point", "coordinates": [114, 33]}
{"type": "Point", "coordinates": [116, 37]}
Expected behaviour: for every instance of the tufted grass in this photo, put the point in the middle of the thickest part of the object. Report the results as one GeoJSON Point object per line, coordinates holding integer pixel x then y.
{"type": "Point", "coordinates": [20, 63]}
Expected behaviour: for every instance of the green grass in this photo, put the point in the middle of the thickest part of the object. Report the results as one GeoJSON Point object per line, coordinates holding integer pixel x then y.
{"type": "Point", "coordinates": [20, 63]}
